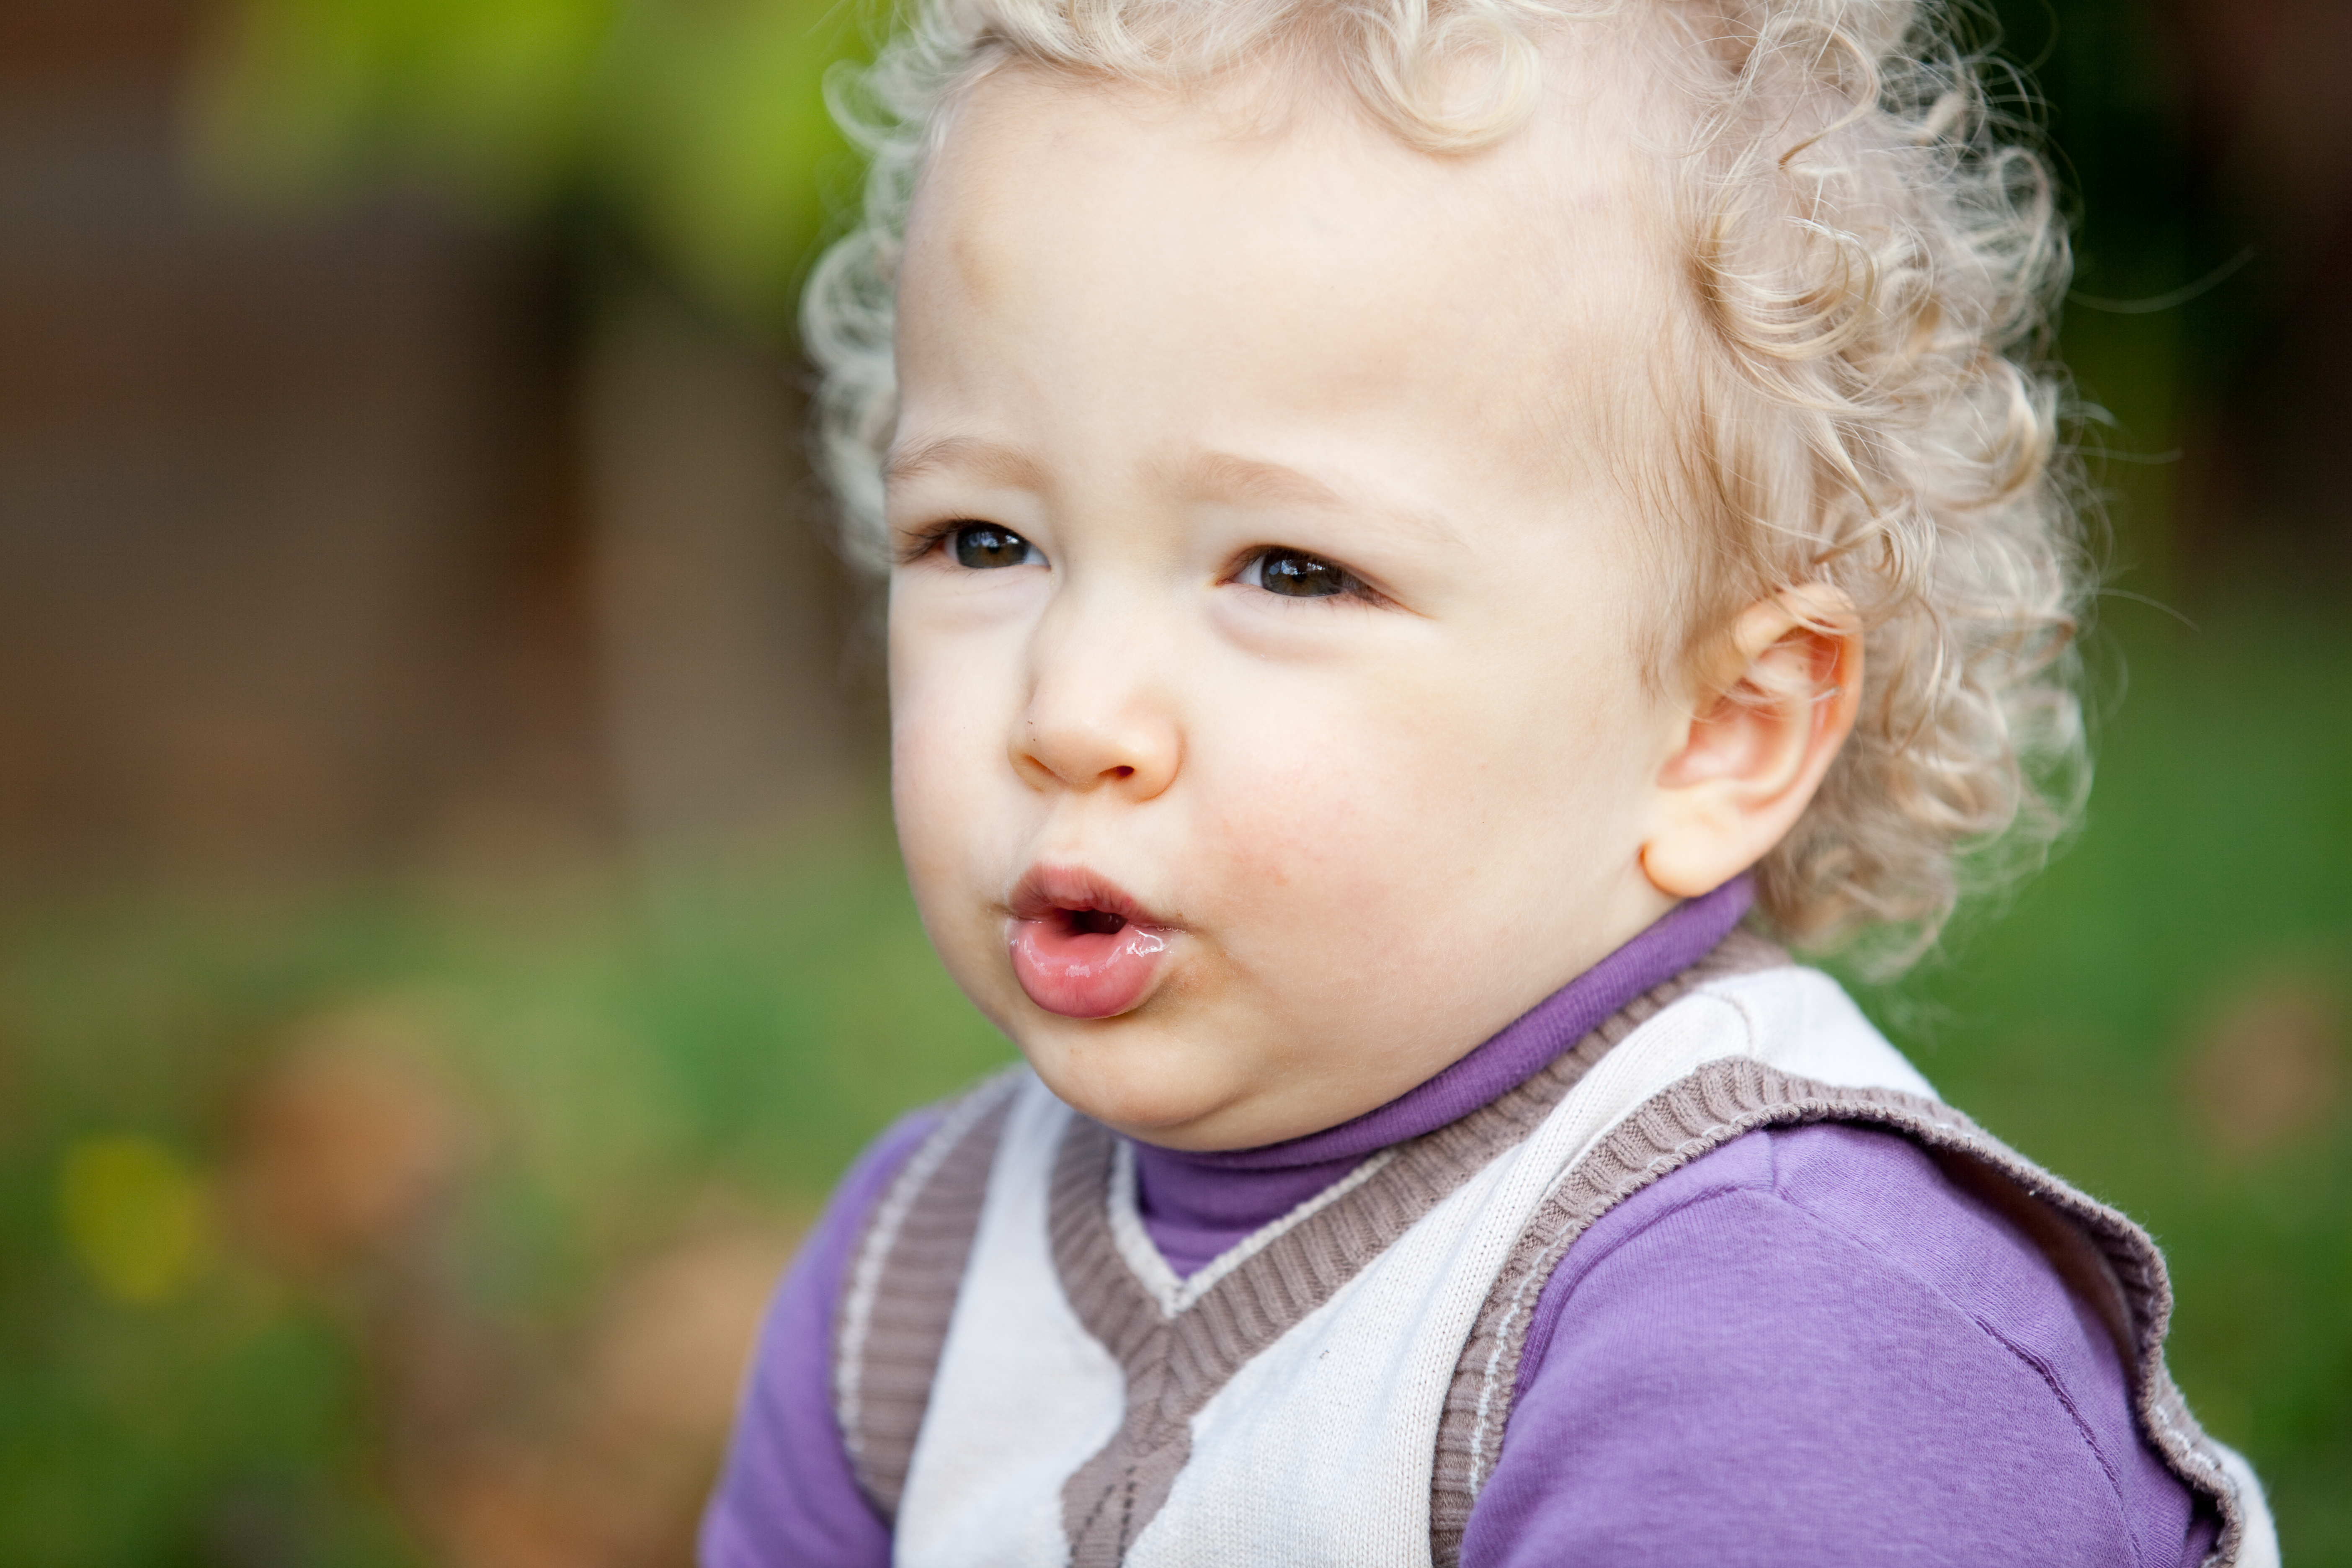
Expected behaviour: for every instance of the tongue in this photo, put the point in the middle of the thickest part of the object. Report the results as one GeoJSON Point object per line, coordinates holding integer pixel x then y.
{"type": "Point", "coordinates": [1070, 965]}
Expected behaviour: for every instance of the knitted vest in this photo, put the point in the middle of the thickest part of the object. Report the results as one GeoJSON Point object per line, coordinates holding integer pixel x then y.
{"type": "Point", "coordinates": [1020, 1379]}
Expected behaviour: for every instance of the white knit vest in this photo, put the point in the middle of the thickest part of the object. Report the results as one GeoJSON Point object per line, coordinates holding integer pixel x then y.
{"type": "Point", "coordinates": [1318, 1447]}
{"type": "Point", "coordinates": [1318, 1452]}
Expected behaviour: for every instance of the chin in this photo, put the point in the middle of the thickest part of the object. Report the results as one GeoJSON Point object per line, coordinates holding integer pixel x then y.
{"type": "Point", "coordinates": [1128, 1078]}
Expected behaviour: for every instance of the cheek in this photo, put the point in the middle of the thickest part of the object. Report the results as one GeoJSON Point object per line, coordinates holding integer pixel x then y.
{"type": "Point", "coordinates": [1323, 812]}
{"type": "Point", "coordinates": [946, 772]}
{"type": "Point", "coordinates": [1435, 788]}
{"type": "Point", "coordinates": [948, 726]}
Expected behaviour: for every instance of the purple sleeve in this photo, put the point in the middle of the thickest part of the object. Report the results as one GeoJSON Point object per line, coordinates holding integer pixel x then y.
{"type": "Point", "coordinates": [786, 1498]}
{"type": "Point", "coordinates": [1809, 1347]}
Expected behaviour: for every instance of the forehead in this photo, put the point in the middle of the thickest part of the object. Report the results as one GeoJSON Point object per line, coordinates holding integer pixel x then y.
{"type": "Point", "coordinates": [1274, 236]}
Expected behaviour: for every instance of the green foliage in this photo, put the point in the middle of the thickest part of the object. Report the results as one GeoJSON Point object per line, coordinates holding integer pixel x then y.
{"type": "Point", "coordinates": [697, 126]}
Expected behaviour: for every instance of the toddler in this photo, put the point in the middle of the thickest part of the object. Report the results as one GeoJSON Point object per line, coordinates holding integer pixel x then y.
{"type": "Point", "coordinates": [1423, 536]}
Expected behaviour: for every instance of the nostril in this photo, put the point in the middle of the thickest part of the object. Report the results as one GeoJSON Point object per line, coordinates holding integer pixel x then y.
{"type": "Point", "coordinates": [1122, 772]}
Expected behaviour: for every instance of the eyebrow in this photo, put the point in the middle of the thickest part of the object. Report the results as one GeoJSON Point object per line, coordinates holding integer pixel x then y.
{"type": "Point", "coordinates": [1219, 478]}
{"type": "Point", "coordinates": [1222, 476]}
{"type": "Point", "coordinates": [968, 455]}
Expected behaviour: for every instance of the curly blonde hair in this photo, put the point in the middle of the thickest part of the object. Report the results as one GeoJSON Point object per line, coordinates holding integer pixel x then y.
{"type": "Point", "coordinates": [1865, 400]}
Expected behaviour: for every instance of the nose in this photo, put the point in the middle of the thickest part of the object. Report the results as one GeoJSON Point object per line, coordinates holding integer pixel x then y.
{"type": "Point", "coordinates": [1100, 713]}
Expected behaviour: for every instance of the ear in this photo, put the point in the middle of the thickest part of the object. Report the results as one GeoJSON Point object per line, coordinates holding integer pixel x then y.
{"type": "Point", "coordinates": [1777, 704]}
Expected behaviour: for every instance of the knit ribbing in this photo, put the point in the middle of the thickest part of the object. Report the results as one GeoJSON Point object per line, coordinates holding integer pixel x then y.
{"type": "Point", "coordinates": [2103, 1258]}
{"type": "Point", "coordinates": [894, 1315]}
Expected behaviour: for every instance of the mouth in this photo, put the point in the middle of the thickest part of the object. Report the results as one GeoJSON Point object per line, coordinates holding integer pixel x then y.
{"type": "Point", "coordinates": [1080, 945]}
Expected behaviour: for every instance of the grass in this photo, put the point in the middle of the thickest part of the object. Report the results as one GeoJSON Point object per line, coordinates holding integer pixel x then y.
{"type": "Point", "coordinates": [615, 1074]}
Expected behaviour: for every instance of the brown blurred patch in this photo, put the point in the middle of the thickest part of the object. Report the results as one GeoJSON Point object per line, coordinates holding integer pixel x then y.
{"type": "Point", "coordinates": [2270, 1068]}
{"type": "Point", "coordinates": [674, 1334]}
{"type": "Point", "coordinates": [603, 1459]}
{"type": "Point", "coordinates": [346, 1139]}
{"type": "Point", "coordinates": [587, 1439]}
{"type": "Point", "coordinates": [494, 1518]}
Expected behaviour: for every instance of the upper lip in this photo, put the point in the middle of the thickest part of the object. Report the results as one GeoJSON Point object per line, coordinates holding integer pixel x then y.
{"type": "Point", "coordinates": [1046, 889]}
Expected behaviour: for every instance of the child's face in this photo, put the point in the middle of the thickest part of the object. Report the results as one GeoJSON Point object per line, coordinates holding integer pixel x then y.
{"type": "Point", "coordinates": [1303, 632]}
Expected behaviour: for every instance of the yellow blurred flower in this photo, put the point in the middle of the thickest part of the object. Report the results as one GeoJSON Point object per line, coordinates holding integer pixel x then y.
{"type": "Point", "coordinates": [135, 1215]}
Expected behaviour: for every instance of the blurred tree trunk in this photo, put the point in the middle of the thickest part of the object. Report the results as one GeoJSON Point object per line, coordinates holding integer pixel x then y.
{"type": "Point", "coordinates": [717, 598]}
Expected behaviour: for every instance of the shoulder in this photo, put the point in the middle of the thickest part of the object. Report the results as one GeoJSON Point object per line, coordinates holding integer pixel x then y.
{"type": "Point", "coordinates": [1811, 1337]}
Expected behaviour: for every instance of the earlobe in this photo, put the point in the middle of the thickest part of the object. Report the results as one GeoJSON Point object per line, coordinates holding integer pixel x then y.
{"type": "Point", "coordinates": [1762, 737]}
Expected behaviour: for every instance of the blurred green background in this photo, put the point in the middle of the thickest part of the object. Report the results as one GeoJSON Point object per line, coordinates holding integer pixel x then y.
{"type": "Point", "coordinates": [452, 937]}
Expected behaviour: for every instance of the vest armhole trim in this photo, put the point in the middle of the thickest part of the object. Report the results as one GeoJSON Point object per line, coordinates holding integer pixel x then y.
{"type": "Point", "coordinates": [898, 1297]}
{"type": "Point", "coordinates": [2097, 1250]}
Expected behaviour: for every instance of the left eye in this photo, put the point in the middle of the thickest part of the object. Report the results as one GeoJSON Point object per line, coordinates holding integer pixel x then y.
{"type": "Point", "coordinates": [984, 545]}
{"type": "Point", "coordinates": [1296, 574]}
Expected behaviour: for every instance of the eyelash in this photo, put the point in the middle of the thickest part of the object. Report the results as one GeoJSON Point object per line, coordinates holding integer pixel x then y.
{"type": "Point", "coordinates": [934, 536]}
{"type": "Point", "coordinates": [1352, 586]}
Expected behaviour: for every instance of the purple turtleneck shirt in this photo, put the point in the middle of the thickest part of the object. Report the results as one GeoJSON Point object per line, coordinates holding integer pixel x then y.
{"type": "Point", "coordinates": [1806, 1347]}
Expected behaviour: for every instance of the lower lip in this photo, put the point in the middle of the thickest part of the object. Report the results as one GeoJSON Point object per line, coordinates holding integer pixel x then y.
{"type": "Point", "coordinates": [1085, 975]}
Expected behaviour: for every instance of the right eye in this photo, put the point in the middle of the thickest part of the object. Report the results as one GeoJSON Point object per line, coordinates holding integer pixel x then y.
{"type": "Point", "coordinates": [985, 546]}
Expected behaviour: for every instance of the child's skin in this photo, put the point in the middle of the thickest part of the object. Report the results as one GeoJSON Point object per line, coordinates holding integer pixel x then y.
{"type": "Point", "coordinates": [1173, 350]}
